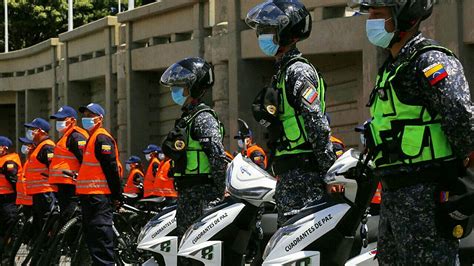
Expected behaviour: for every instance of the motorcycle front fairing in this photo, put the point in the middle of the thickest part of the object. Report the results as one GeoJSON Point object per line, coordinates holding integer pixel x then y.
{"type": "Point", "coordinates": [327, 225]}
{"type": "Point", "coordinates": [159, 236]}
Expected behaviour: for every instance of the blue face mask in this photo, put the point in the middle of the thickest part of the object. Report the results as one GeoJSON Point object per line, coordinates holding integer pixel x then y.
{"type": "Point", "coordinates": [377, 34]}
{"type": "Point", "coordinates": [25, 149]}
{"type": "Point", "coordinates": [268, 47]}
{"type": "Point", "coordinates": [88, 122]}
{"type": "Point", "coordinates": [177, 95]}
{"type": "Point", "coordinates": [29, 134]}
{"type": "Point", "coordinates": [61, 126]}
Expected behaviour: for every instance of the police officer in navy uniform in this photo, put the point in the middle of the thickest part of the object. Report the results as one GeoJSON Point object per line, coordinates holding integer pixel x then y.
{"type": "Point", "coordinates": [195, 144]}
{"type": "Point", "coordinates": [297, 125]}
{"type": "Point", "coordinates": [421, 130]}
{"type": "Point", "coordinates": [98, 186]}
{"type": "Point", "coordinates": [10, 166]}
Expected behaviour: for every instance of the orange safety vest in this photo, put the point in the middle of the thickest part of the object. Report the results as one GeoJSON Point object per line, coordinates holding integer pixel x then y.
{"type": "Point", "coordinates": [21, 197]}
{"type": "Point", "coordinates": [91, 178]}
{"type": "Point", "coordinates": [64, 160]}
{"type": "Point", "coordinates": [255, 148]}
{"type": "Point", "coordinates": [5, 186]}
{"type": "Point", "coordinates": [130, 187]}
{"type": "Point", "coordinates": [36, 183]}
{"type": "Point", "coordinates": [378, 195]}
{"type": "Point", "coordinates": [164, 185]}
{"type": "Point", "coordinates": [148, 183]}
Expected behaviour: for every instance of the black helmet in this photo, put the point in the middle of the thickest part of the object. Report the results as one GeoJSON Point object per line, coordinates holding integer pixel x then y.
{"type": "Point", "coordinates": [406, 13]}
{"type": "Point", "coordinates": [289, 18]}
{"type": "Point", "coordinates": [244, 130]}
{"type": "Point", "coordinates": [192, 72]}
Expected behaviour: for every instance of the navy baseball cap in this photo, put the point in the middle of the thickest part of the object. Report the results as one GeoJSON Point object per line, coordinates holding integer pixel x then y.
{"type": "Point", "coordinates": [134, 159]}
{"type": "Point", "coordinates": [64, 112]}
{"type": "Point", "coordinates": [25, 140]}
{"type": "Point", "coordinates": [151, 148]}
{"type": "Point", "coordinates": [93, 108]}
{"type": "Point", "coordinates": [39, 123]}
{"type": "Point", "coordinates": [4, 141]}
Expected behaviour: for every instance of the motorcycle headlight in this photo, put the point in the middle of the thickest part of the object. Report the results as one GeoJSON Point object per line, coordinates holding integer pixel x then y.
{"type": "Point", "coordinates": [283, 232]}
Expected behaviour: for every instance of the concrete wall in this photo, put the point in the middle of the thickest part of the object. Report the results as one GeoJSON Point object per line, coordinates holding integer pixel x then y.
{"type": "Point", "coordinates": [117, 62]}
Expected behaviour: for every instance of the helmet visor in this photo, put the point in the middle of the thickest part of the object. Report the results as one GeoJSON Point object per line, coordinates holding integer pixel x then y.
{"type": "Point", "coordinates": [267, 15]}
{"type": "Point", "coordinates": [177, 75]}
{"type": "Point", "coordinates": [364, 5]}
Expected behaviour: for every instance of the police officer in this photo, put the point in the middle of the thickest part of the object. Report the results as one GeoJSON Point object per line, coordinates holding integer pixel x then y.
{"type": "Point", "coordinates": [98, 186]}
{"type": "Point", "coordinates": [153, 155]}
{"type": "Point", "coordinates": [195, 144]}
{"type": "Point", "coordinates": [10, 168]}
{"type": "Point", "coordinates": [134, 182]}
{"type": "Point", "coordinates": [297, 124]}
{"type": "Point", "coordinates": [248, 148]}
{"type": "Point", "coordinates": [36, 174]}
{"type": "Point", "coordinates": [421, 129]}
{"type": "Point", "coordinates": [68, 155]}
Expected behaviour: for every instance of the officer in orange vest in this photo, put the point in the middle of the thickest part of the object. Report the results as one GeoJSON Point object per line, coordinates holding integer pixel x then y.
{"type": "Point", "coordinates": [10, 168]}
{"type": "Point", "coordinates": [98, 186]}
{"type": "Point", "coordinates": [134, 181]}
{"type": "Point", "coordinates": [37, 172]}
{"type": "Point", "coordinates": [153, 154]}
{"type": "Point", "coordinates": [164, 183]}
{"type": "Point", "coordinates": [248, 147]}
{"type": "Point", "coordinates": [21, 197]}
{"type": "Point", "coordinates": [68, 155]}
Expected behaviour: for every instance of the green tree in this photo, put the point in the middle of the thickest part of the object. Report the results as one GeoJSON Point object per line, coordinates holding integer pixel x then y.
{"type": "Point", "coordinates": [33, 21]}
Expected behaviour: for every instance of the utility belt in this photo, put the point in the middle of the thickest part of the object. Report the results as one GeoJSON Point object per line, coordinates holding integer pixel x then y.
{"type": "Point", "coordinates": [187, 181]}
{"type": "Point", "coordinates": [442, 173]}
{"type": "Point", "coordinates": [304, 161]}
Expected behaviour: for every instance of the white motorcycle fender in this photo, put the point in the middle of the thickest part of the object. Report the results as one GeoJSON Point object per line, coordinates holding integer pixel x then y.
{"type": "Point", "coordinates": [302, 258]}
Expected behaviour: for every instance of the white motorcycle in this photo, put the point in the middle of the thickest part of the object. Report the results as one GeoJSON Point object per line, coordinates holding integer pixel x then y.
{"type": "Point", "coordinates": [236, 226]}
{"type": "Point", "coordinates": [322, 233]}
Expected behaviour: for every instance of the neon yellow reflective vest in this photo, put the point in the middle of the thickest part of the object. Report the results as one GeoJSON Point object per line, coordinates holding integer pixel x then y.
{"type": "Point", "coordinates": [197, 162]}
{"type": "Point", "coordinates": [294, 139]}
{"type": "Point", "coordinates": [403, 133]}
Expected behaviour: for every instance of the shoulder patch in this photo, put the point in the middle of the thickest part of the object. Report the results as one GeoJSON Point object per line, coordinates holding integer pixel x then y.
{"type": "Point", "coordinates": [435, 73]}
{"type": "Point", "coordinates": [106, 149]}
{"type": "Point", "coordinates": [310, 94]}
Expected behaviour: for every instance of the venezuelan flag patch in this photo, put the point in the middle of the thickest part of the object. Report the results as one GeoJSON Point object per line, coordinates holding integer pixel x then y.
{"type": "Point", "coordinates": [435, 73]}
{"type": "Point", "coordinates": [310, 94]}
{"type": "Point", "coordinates": [106, 149]}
